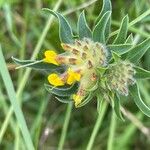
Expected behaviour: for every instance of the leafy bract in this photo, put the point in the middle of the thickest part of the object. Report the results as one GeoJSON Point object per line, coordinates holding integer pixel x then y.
{"type": "Point", "coordinates": [62, 91]}
{"type": "Point", "coordinates": [134, 92]}
{"type": "Point", "coordinates": [83, 29]}
{"type": "Point", "coordinates": [122, 34]}
{"type": "Point", "coordinates": [66, 99]}
{"type": "Point", "coordinates": [99, 30]}
{"type": "Point", "coordinates": [65, 31]}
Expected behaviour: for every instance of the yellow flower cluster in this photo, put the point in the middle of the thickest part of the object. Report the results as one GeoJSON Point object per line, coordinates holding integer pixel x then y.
{"type": "Point", "coordinates": [82, 59]}
{"type": "Point", "coordinates": [55, 79]}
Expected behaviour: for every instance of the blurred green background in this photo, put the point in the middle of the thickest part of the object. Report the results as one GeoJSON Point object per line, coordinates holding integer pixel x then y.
{"type": "Point", "coordinates": [22, 23]}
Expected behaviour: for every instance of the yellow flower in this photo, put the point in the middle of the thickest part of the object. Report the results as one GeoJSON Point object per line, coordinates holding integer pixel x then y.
{"type": "Point", "coordinates": [72, 76]}
{"type": "Point", "coordinates": [50, 57]}
{"type": "Point", "coordinates": [77, 99]}
{"type": "Point", "coordinates": [55, 80]}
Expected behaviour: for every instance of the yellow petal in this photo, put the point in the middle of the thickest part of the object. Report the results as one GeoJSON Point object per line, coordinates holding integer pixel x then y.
{"type": "Point", "coordinates": [72, 76]}
{"type": "Point", "coordinates": [77, 99]}
{"type": "Point", "coordinates": [55, 80]}
{"type": "Point", "coordinates": [50, 57]}
{"type": "Point", "coordinates": [70, 80]}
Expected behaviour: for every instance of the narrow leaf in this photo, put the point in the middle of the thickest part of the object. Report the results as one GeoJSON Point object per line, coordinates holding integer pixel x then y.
{"type": "Point", "coordinates": [134, 91]}
{"type": "Point", "coordinates": [138, 51]}
{"type": "Point", "coordinates": [62, 91]}
{"type": "Point", "coordinates": [119, 48]}
{"type": "Point", "coordinates": [141, 73]}
{"type": "Point", "coordinates": [122, 34]}
{"type": "Point", "coordinates": [117, 107]}
{"type": "Point", "coordinates": [99, 30]}
{"type": "Point", "coordinates": [106, 7]}
{"type": "Point", "coordinates": [65, 31]}
{"type": "Point", "coordinates": [39, 66]}
{"type": "Point", "coordinates": [83, 29]}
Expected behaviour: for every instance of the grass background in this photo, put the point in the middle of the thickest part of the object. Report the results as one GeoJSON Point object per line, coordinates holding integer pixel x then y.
{"type": "Point", "coordinates": [24, 30]}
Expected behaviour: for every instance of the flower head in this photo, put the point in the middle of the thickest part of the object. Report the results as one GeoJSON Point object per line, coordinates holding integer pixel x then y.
{"type": "Point", "coordinates": [82, 58]}
{"type": "Point", "coordinates": [120, 76]}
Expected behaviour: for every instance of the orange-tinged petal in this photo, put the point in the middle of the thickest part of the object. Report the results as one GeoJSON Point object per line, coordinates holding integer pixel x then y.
{"type": "Point", "coordinates": [50, 57]}
{"type": "Point", "coordinates": [55, 80]}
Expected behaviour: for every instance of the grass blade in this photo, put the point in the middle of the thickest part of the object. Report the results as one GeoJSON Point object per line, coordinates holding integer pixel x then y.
{"type": "Point", "coordinates": [13, 99]}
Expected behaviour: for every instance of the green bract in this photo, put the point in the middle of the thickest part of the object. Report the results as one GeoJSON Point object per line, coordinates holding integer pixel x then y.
{"type": "Point", "coordinates": [117, 77]}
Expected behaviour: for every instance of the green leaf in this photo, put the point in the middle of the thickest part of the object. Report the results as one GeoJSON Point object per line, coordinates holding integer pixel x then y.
{"type": "Point", "coordinates": [141, 73]}
{"type": "Point", "coordinates": [86, 100]}
{"type": "Point", "coordinates": [99, 29]}
{"type": "Point", "coordinates": [117, 107]}
{"type": "Point", "coordinates": [65, 31]}
{"type": "Point", "coordinates": [83, 29]}
{"type": "Point", "coordinates": [138, 51]}
{"type": "Point", "coordinates": [62, 91]}
{"type": "Point", "coordinates": [120, 49]}
{"type": "Point", "coordinates": [106, 7]}
{"type": "Point", "coordinates": [122, 34]}
{"type": "Point", "coordinates": [134, 91]}
{"type": "Point", "coordinates": [64, 99]}
{"type": "Point", "coordinates": [37, 65]}
{"type": "Point", "coordinates": [129, 39]}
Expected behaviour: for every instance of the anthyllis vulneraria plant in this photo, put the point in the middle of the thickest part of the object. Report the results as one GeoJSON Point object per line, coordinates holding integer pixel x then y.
{"type": "Point", "coordinates": [93, 65]}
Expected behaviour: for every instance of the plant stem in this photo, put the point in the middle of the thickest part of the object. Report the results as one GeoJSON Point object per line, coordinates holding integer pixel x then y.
{"type": "Point", "coordinates": [65, 126]}
{"type": "Point", "coordinates": [111, 131]}
{"type": "Point", "coordinates": [97, 126]}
